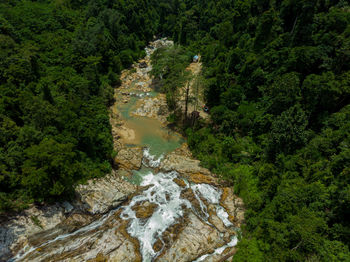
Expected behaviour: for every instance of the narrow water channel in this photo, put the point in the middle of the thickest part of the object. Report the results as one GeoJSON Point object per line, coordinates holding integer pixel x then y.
{"type": "Point", "coordinates": [162, 196]}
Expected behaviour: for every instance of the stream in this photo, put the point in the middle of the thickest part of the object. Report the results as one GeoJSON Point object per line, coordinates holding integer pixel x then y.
{"type": "Point", "coordinates": [166, 208]}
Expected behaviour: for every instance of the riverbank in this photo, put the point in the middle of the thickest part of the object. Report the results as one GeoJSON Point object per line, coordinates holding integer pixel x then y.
{"type": "Point", "coordinates": [158, 203]}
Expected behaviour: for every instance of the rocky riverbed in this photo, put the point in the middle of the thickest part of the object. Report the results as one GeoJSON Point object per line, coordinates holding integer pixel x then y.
{"type": "Point", "coordinates": [158, 204]}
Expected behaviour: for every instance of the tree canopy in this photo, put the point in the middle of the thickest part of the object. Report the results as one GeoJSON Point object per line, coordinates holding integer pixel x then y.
{"type": "Point", "coordinates": [59, 63]}
{"type": "Point", "coordinates": [277, 84]}
{"type": "Point", "coordinates": [277, 81]}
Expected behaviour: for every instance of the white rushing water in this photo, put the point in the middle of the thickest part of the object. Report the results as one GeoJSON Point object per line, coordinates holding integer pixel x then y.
{"type": "Point", "coordinates": [150, 160]}
{"type": "Point", "coordinates": [219, 250]}
{"type": "Point", "coordinates": [166, 195]}
{"type": "Point", "coordinates": [140, 95]}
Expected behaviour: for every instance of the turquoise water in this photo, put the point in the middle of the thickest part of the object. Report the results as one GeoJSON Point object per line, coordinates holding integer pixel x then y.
{"type": "Point", "coordinates": [150, 132]}
{"type": "Point", "coordinates": [126, 109]}
{"type": "Point", "coordinates": [137, 175]}
{"type": "Point", "coordinates": [160, 145]}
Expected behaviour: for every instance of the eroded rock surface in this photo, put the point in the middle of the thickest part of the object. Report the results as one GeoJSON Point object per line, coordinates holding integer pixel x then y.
{"type": "Point", "coordinates": [129, 158]}
{"type": "Point", "coordinates": [234, 205]}
{"type": "Point", "coordinates": [37, 224]}
{"type": "Point", "coordinates": [195, 239]}
{"type": "Point", "coordinates": [103, 194]}
{"type": "Point", "coordinates": [104, 243]}
{"type": "Point", "coordinates": [181, 161]}
{"type": "Point", "coordinates": [14, 232]}
{"type": "Point", "coordinates": [153, 108]}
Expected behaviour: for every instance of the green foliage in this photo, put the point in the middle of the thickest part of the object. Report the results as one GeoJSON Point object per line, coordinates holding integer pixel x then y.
{"type": "Point", "coordinates": [249, 251]}
{"type": "Point", "coordinates": [36, 221]}
{"type": "Point", "coordinates": [59, 63]}
{"type": "Point", "coordinates": [277, 84]}
{"type": "Point", "coordinates": [50, 169]}
{"type": "Point", "coordinates": [277, 75]}
{"type": "Point", "coordinates": [169, 66]}
{"type": "Point", "coordinates": [288, 131]}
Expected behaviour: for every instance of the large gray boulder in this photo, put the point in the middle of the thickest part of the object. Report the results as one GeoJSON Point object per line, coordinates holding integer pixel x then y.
{"type": "Point", "coordinates": [129, 158]}
{"type": "Point", "coordinates": [101, 195]}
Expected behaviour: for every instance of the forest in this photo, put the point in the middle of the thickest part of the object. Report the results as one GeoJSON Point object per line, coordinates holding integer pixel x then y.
{"type": "Point", "coordinates": [277, 82]}
{"type": "Point", "coordinates": [60, 61]}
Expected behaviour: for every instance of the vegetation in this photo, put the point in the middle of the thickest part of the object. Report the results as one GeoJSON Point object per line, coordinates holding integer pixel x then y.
{"type": "Point", "coordinates": [59, 62]}
{"type": "Point", "coordinates": [169, 69]}
{"type": "Point", "coordinates": [277, 82]}
{"type": "Point", "coordinates": [277, 78]}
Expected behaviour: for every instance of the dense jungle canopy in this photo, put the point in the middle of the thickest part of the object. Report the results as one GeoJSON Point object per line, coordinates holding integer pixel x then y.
{"type": "Point", "coordinates": [277, 81]}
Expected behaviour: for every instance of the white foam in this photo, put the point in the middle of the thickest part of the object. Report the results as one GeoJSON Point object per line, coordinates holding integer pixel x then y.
{"type": "Point", "coordinates": [210, 193]}
{"type": "Point", "coordinates": [165, 193]}
{"type": "Point", "coordinates": [222, 214]}
{"type": "Point", "coordinates": [219, 250]}
{"type": "Point", "coordinates": [150, 160]}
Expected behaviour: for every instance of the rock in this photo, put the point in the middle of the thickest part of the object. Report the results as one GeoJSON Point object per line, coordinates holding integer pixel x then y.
{"type": "Point", "coordinates": [143, 64]}
{"type": "Point", "coordinates": [195, 239]}
{"type": "Point", "coordinates": [122, 135]}
{"type": "Point", "coordinates": [103, 194]}
{"type": "Point", "coordinates": [189, 195]}
{"type": "Point", "coordinates": [183, 151]}
{"type": "Point", "coordinates": [129, 158]}
{"type": "Point", "coordinates": [199, 178]}
{"type": "Point", "coordinates": [153, 107]}
{"type": "Point", "coordinates": [15, 231]}
{"type": "Point", "coordinates": [215, 220]}
{"type": "Point", "coordinates": [144, 210]}
{"type": "Point", "coordinates": [182, 164]}
{"type": "Point", "coordinates": [233, 205]}
{"type": "Point", "coordinates": [161, 43]}
{"type": "Point", "coordinates": [105, 244]}
{"type": "Point", "coordinates": [180, 182]}
{"type": "Point", "coordinates": [70, 224]}
{"type": "Point", "coordinates": [67, 207]}
{"type": "Point", "coordinates": [226, 255]}
{"type": "Point", "coordinates": [163, 110]}
{"type": "Point", "coordinates": [38, 224]}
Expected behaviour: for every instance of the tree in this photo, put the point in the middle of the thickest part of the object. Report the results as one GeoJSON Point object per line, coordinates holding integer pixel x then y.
{"type": "Point", "coordinates": [283, 93]}
{"type": "Point", "coordinates": [50, 169]}
{"type": "Point", "coordinates": [248, 251]}
{"type": "Point", "coordinates": [169, 66]}
{"type": "Point", "coordinates": [288, 131]}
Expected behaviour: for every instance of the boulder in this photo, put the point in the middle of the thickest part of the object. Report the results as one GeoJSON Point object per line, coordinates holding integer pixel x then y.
{"type": "Point", "coordinates": [15, 231]}
{"type": "Point", "coordinates": [100, 195]}
{"type": "Point", "coordinates": [153, 107]}
{"type": "Point", "coordinates": [195, 239]}
{"type": "Point", "coordinates": [182, 164]}
{"type": "Point", "coordinates": [199, 178]}
{"type": "Point", "coordinates": [144, 210]}
{"type": "Point", "coordinates": [129, 158]}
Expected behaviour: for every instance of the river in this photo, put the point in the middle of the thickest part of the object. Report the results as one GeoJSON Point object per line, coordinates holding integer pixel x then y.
{"type": "Point", "coordinates": [180, 211]}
